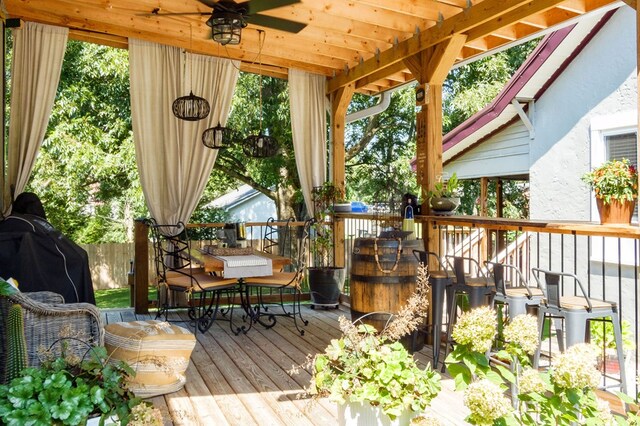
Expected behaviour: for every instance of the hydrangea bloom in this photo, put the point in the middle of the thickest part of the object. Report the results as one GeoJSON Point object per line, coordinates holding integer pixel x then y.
{"type": "Point", "coordinates": [523, 331]}
{"type": "Point", "coordinates": [530, 381]}
{"type": "Point", "coordinates": [576, 368]}
{"type": "Point", "coordinates": [476, 328]}
{"type": "Point", "coordinates": [486, 401]}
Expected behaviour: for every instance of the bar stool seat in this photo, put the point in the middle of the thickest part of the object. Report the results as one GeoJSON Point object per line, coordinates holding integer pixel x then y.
{"type": "Point", "coordinates": [576, 310]}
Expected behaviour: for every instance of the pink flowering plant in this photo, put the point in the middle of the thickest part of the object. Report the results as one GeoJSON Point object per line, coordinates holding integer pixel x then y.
{"type": "Point", "coordinates": [614, 180]}
{"type": "Point", "coordinates": [563, 395]}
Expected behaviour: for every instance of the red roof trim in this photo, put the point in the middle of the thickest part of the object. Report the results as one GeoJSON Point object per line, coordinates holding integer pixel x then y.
{"type": "Point", "coordinates": [527, 70]}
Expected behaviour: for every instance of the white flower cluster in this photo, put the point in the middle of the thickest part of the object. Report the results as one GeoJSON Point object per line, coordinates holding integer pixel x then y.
{"type": "Point", "coordinates": [486, 401]}
{"type": "Point", "coordinates": [476, 328]}
{"type": "Point", "coordinates": [530, 381]}
{"type": "Point", "coordinates": [523, 331]}
{"type": "Point", "coordinates": [603, 414]}
{"type": "Point", "coordinates": [576, 368]}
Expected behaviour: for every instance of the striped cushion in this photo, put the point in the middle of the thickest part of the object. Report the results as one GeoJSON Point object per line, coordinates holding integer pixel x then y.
{"type": "Point", "coordinates": [157, 351]}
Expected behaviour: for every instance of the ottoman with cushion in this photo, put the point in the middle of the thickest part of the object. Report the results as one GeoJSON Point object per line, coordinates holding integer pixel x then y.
{"type": "Point", "coordinates": [157, 351]}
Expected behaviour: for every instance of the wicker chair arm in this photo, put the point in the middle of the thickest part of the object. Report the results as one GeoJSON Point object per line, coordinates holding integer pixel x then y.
{"type": "Point", "coordinates": [45, 324]}
{"type": "Point", "coordinates": [45, 296]}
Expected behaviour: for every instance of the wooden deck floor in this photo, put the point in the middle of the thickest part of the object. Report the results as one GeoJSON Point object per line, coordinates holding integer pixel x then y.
{"type": "Point", "coordinates": [244, 380]}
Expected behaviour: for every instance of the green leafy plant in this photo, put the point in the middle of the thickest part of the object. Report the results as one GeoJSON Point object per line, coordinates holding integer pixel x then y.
{"type": "Point", "coordinates": [67, 390]}
{"type": "Point", "coordinates": [445, 189]}
{"type": "Point", "coordinates": [563, 395]}
{"type": "Point", "coordinates": [368, 366]}
{"type": "Point", "coordinates": [324, 197]}
{"type": "Point", "coordinates": [614, 180]}
{"type": "Point", "coordinates": [602, 335]}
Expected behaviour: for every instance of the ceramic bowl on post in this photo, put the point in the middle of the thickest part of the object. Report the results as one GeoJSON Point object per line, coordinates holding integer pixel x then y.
{"type": "Point", "coordinates": [444, 206]}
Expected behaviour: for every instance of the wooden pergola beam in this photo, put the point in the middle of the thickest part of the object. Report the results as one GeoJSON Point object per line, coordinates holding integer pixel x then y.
{"type": "Point", "coordinates": [340, 100]}
{"type": "Point", "coordinates": [483, 18]}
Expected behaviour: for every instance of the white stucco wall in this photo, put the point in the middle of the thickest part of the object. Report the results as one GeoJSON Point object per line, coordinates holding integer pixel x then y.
{"type": "Point", "coordinates": [600, 81]}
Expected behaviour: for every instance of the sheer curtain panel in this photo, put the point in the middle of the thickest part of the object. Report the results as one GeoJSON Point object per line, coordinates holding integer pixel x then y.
{"type": "Point", "coordinates": [309, 129]}
{"type": "Point", "coordinates": [38, 52]}
{"type": "Point", "coordinates": [173, 163]}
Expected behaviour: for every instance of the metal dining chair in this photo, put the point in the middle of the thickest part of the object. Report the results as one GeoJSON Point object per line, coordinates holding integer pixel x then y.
{"type": "Point", "coordinates": [181, 284]}
{"type": "Point", "coordinates": [285, 283]}
{"type": "Point", "coordinates": [576, 310]}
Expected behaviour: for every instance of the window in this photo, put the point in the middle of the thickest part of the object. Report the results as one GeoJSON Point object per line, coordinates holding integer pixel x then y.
{"type": "Point", "coordinates": [614, 137]}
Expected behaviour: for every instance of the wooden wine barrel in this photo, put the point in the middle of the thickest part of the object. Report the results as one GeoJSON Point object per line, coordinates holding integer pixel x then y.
{"type": "Point", "coordinates": [381, 286]}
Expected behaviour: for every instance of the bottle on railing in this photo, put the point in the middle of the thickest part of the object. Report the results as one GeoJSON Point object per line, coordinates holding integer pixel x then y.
{"type": "Point", "coordinates": [241, 231]}
{"type": "Point", "coordinates": [131, 281]}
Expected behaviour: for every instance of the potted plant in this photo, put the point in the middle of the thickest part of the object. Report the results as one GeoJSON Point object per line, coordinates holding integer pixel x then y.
{"type": "Point", "coordinates": [325, 280]}
{"type": "Point", "coordinates": [370, 373]}
{"type": "Point", "coordinates": [67, 390]}
{"type": "Point", "coordinates": [444, 199]}
{"type": "Point", "coordinates": [615, 184]}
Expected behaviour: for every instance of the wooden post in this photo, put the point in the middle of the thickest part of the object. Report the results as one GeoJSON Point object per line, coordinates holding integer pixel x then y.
{"type": "Point", "coordinates": [501, 244]}
{"type": "Point", "coordinates": [484, 194]}
{"type": "Point", "coordinates": [339, 102]}
{"type": "Point", "coordinates": [141, 268]}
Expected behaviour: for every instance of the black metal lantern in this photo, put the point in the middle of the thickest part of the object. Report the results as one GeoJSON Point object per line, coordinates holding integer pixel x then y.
{"type": "Point", "coordinates": [226, 27]}
{"type": "Point", "coordinates": [219, 137]}
{"type": "Point", "coordinates": [260, 146]}
{"type": "Point", "coordinates": [191, 108]}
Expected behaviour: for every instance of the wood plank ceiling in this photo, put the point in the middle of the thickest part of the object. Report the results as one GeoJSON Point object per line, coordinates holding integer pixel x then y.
{"type": "Point", "coordinates": [350, 41]}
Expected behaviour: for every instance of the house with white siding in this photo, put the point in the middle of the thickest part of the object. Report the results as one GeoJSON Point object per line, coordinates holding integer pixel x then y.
{"type": "Point", "coordinates": [570, 107]}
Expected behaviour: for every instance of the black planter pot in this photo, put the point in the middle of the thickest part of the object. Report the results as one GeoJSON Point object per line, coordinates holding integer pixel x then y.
{"type": "Point", "coordinates": [325, 286]}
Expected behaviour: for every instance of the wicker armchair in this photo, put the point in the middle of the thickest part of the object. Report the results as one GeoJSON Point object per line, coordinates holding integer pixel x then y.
{"type": "Point", "coordinates": [45, 317]}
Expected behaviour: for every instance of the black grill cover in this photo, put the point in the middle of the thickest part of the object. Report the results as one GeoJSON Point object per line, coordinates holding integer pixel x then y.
{"type": "Point", "coordinates": [41, 258]}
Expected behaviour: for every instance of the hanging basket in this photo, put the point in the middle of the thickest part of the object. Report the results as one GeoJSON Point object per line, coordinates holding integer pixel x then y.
{"type": "Point", "coordinates": [616, 212]}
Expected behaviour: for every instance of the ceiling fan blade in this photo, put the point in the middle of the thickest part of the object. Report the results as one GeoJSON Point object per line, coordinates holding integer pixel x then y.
{"type": "Point", "coordinates": [209, 3]}
{"type": "Point", "coordinates": [176, 14]}
{"type": "Point", "coordinates": [275, 23]}
{"type": "Point", "coordinates": [256, 6]}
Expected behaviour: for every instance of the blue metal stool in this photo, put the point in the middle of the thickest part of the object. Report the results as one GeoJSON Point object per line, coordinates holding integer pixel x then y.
{"type": "Point", "coordinates": [576, 311]}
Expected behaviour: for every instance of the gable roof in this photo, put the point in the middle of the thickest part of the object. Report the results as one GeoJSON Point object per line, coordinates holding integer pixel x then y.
{"type": "Point", "coordinates": [550, 58]}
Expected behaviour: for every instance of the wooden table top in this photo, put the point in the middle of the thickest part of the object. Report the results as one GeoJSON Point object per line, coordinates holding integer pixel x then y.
{"type": "Point", "coordinates": [212, 263]}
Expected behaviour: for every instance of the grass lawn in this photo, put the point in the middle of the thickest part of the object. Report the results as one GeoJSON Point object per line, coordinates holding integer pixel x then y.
{"type": "Point", "coordinates": [116, 297]}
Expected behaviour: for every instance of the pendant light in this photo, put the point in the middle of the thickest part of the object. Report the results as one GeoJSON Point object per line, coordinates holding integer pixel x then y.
{"type": "Point", "coordinates": [261, 145]}
{"type": "Point", "coordinates": [191, 107]}
{"type": "Point", "coordinates": [219, 137]}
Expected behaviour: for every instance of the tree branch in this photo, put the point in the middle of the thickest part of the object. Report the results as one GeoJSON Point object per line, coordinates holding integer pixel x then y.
{"type": "Point", "coordinates": [369, 132]}
{"type": "Point", "coordinates": [230, 171]}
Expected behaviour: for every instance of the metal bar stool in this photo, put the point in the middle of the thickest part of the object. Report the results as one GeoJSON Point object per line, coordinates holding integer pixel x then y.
{"type": "Point", "coordinates": [576, 311]}
{"type": "Point", "coordinates": [516, 297]}
{"type": "Point", "coordinates": [479, 289]}
{"type": "Point", "coordinates": [441, 283]}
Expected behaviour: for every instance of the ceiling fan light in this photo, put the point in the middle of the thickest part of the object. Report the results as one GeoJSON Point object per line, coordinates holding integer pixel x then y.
{"type": "Point", "coordinates": [191, 108]}
{"type": "Point", "coordinates": [226, 28]}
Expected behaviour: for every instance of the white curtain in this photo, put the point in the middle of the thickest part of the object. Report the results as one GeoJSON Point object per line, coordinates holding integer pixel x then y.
{"type": "Point", "coordinates": [173, 163]}
{"type": "Point", "coordinates": [37, 60]}
{"type": "Point", "coordinates": [309, 129]}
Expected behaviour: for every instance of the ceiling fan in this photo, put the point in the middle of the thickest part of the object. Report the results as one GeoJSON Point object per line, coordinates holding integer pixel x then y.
{"type": "Point", "coordinates": [227, 18]}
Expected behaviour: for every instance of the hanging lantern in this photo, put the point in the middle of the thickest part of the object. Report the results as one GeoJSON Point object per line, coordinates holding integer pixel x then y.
{"type": "Point", "coordinates": [191, 108]}
{"type": "Point", "coordinates": [219, 137]}
{"type": "Point", "coordinates": [260, 146]}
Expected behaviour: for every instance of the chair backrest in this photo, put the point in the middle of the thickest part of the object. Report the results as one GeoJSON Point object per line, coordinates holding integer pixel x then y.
{"type": "Point", "coordinates": [270, 239]}
{"type": "Point", "coordinates": [171, 248]}
{"type": "Point", "coordinates": [423, 257]}
{"type": "Point", "coordinates": [498, 277]}
{"type": "Point", "coordinates": [553, 281]}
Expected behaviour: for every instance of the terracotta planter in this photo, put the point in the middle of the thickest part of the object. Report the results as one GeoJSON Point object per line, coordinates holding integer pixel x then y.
{"type": "Point", "coordinates": [616, 212]}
